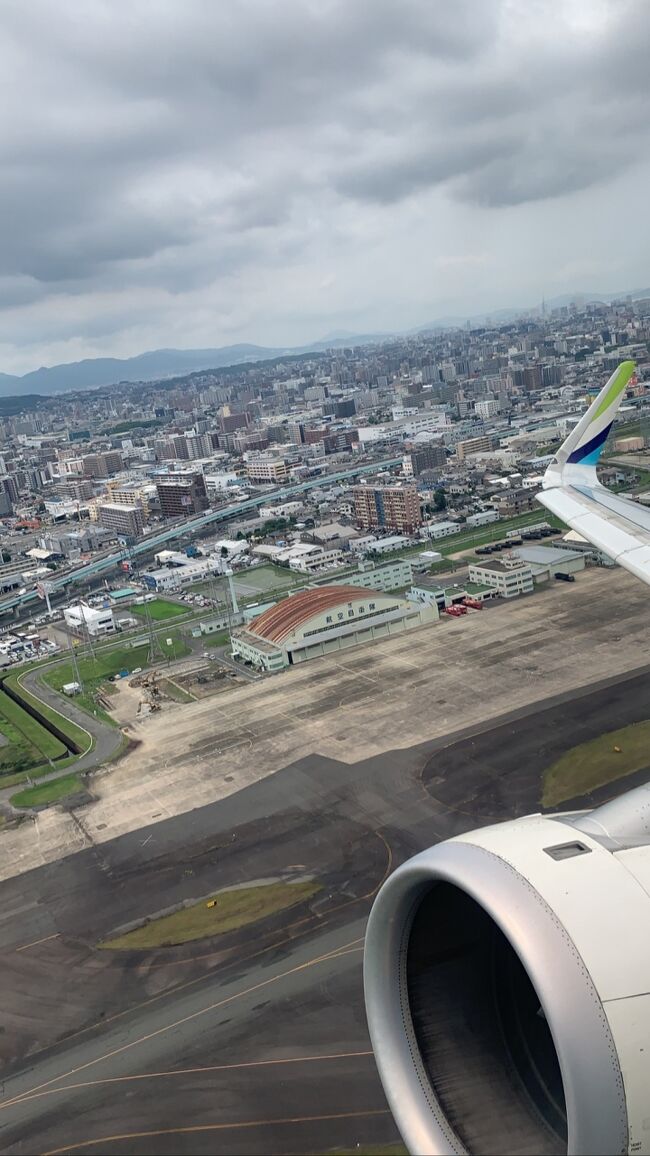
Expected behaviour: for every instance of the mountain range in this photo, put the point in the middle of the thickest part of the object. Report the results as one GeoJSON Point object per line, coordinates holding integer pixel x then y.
{"type": "Point", "coordinates": [95, 372]}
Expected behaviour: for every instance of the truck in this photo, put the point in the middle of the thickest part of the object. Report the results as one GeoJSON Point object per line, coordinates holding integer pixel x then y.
{"type": "Point", "coordinates": [472, 603]}
{"type": "Point", "coordinates": [455, 611]}
{"type": "Point", "coordinates": [564, 577]}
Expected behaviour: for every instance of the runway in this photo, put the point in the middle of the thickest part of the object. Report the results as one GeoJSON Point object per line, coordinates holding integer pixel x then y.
{"type": "Point", "coordinates": [254, 1042]}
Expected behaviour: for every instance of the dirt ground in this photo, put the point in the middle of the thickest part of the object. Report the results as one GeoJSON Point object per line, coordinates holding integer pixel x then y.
{"type": "Point", "coordinates": [391, 694]}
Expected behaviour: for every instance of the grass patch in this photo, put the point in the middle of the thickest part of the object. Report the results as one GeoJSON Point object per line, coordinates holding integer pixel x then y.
{"type": "Point", "coordinates": [78, 736]}
{"type": "Point", "coordinates": [159, 610]}
{"type": "Point", "coordinates": [495, 531]}
{"type": "Point", "coordinates": [596, 763]}
{"type": "Point", "coordinates": [233, 909]}
{"type": "Point", "coordinates": [175, 692]}
{"type": "Point", "coordinates": [47, 792]}
{"type": "Point", "coordinates": [29, 739]}
{"type": "Point", "coordinates": [94, 672]}
{"type": "Point", "coordinates": [219, 638]}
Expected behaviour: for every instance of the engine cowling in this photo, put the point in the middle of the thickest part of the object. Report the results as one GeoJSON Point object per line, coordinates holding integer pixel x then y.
{"type": "Point", "coordinates": [507, 982]}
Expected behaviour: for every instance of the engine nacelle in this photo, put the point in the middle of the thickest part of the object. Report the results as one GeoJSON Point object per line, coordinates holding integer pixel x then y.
{"type": "Point", "coordinates": [507, 980]}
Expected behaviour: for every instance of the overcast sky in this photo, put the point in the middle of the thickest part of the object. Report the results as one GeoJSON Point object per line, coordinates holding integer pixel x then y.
{"type": "Point", "coordinates": [199, 172]}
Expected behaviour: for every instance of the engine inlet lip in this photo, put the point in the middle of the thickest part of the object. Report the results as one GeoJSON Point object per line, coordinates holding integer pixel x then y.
{"type": "Point", "coordinates": [593, 1085]}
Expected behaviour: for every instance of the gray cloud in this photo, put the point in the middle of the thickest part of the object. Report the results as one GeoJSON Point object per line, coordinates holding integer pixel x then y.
{"type": "Point", "coordinates": [192, 157]}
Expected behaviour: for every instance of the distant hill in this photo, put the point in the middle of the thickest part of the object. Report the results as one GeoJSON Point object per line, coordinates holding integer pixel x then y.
{"type": "Point", "coordinates": [95, 372]}
{"type": "Point", "coordinates": [99, 371]}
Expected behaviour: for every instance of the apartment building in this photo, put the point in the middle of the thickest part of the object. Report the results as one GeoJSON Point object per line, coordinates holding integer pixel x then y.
{"type": "Point", "coordinates": [479, 445]}
{"type": "Point", "coordinates": [387, 507]}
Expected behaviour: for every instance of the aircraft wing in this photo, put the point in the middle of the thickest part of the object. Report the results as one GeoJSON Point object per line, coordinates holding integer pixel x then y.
{"type": "Point", "coordinates": [615, 525]}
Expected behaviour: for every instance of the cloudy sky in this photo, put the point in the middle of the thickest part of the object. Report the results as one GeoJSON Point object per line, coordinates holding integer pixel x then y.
{"type": "Point", "coordinates": [199, 172]}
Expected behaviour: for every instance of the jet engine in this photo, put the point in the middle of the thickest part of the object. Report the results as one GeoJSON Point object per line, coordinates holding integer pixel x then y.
{"type": "Point", "coordinates": [507, 986]}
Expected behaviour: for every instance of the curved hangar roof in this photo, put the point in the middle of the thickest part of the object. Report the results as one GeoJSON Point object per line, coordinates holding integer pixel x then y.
{"type": "Point", "coordinates": [276, 623]}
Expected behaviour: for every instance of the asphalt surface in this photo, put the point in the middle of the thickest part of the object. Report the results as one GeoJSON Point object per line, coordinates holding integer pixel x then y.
{"type": "Point", "coordinates": [254, 1042]}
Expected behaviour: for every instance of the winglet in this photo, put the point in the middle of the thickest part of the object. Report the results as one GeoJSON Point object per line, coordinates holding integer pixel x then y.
{"type": "Point", "coordinates": [584, 444]}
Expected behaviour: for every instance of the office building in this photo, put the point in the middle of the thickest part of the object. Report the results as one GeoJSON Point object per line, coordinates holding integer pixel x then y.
{"type": "Point", "coordinates": [480, 445]}
{"type": "Point", "coordinates": [102, 465]}
{"type": "Point", "coordinates": [181, 495]}
{"type": "Point", "coordinates": [125, 521]}
{"type": "Point", "coordinates": [267, 470]}
{"type": "Point", "coordinates": [424, 458]}
{"type": "Point", "coordinates": [510, 577]}
{"type": "Point", "coordinates": [85, 620]}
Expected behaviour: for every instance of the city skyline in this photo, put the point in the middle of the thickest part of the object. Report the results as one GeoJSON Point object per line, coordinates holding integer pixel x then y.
{"type": "Point", "coordinates": [272, 174]}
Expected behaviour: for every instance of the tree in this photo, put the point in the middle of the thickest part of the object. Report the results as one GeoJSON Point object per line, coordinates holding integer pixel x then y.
{"type": "Point", "coordinates": [6, 556]}
{"type": "Point", "coordinates": [439, 500]}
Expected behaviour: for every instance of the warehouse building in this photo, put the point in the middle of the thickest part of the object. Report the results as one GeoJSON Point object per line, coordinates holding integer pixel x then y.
{"type": "Point", "coordinates": [546, 561]}
{"type": "Point", "coordinates": [173, 577]}
{"type": "Point", "coordinates": [323, 620]}
{"type": "Point", "coordinates": [390, 576]}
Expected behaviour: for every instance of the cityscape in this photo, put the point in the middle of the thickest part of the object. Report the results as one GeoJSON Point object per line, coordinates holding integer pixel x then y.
{"type": "Point", "coordinates": [324, 568]}
{"type": "Point", "coordinates": [222, 593]}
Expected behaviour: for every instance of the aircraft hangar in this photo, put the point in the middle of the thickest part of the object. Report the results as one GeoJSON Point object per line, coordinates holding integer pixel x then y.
{"type": "Point", "coordinates": [324, 619]}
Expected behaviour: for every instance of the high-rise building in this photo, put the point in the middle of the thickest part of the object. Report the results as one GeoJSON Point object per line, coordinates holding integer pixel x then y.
{"type": "Point", "coordinates": [181, 495]}
{"type": "Point", "coordinates": [424, 458]}
{"type": "Point", "coordinates": [231, 421]}
{"type": "Point", "coordinates": [124, 520]}
{"type": "Point", "coordinates": [102, 465]}
{"type": "Point", "coordinates": [528, 377]}
{"type": "Point", "coordinates": [387, 507]}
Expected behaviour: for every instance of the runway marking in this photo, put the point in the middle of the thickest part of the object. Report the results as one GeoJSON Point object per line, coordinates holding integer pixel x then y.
{"type": "Point", "coordinates": [218, 1128]}
{"type": "Point", "coordinates": [357, 674]}
{"type": "Point", "coordinates": [184, 1020]}
{"type": "Point", "coordinates": [246, 959]}
{"type": "Point", "coordinates": [195, 1071]}
{"type": "Point", "coordinates": [35, 942]}
{"type": "Point", "coordinates": [19, 910]}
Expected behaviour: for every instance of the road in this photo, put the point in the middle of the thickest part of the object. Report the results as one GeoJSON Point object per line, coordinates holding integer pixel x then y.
{"type": "Point", "coordinates": [256, 1042]}
{"type": "Point", "coordinates": [106, 739]}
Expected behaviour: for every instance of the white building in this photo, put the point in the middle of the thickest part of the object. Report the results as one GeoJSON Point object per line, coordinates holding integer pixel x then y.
{"type": "Point", "coordinates": [84, 619]}
{"type": "Point", "coordinates": [175, 577]}
{"type": "Point", "coordinates": [487, 408]}
{"type": "Point", "coordinates": [483, 518]}
{"type": "Point", "coordinates": [316, 560]}
{"type": "Point", "coordinates": [233, 547]}
{"type": "Point", "coordinates": [217, 485]}
{"type": "Point", "coordinates": [390, 544]}
{"type": "Point", "coordinates": [439, 529]}
{"type": "Point", "coordinates": [389, 576]}
{"type": "Point", "coordinates": [283, 511]}
{"type": "Point", "coordinates": [510, 577]}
